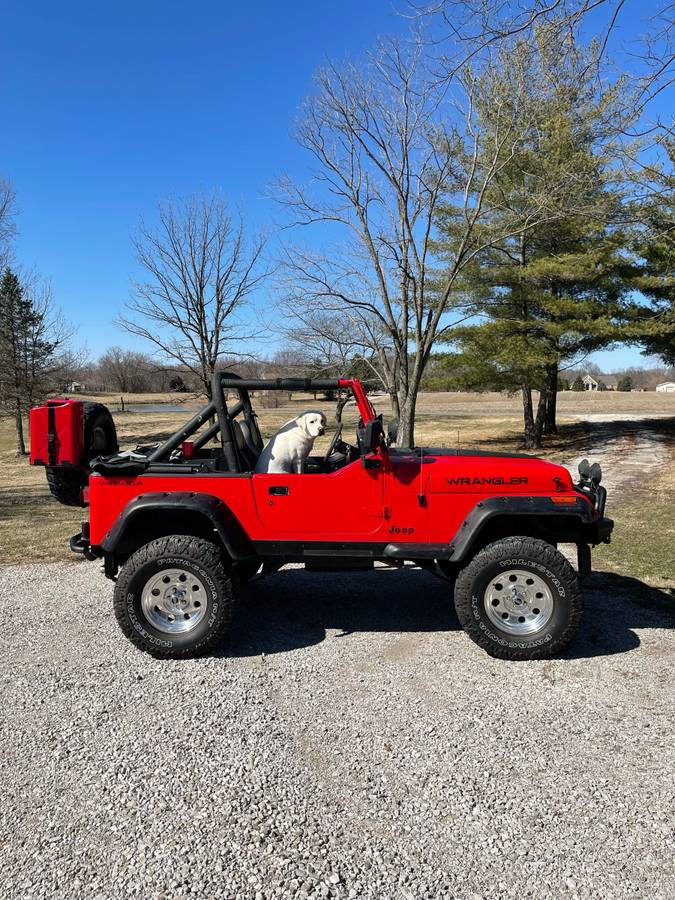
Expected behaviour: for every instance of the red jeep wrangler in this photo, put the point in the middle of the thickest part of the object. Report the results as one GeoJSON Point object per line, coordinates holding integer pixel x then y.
{"type": "Point", "coordinates": [182, 526]}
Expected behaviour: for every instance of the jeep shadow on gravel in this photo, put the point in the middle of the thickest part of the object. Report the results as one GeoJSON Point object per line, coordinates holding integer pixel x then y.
{"type": "Point", "coordinates": [181, 526]}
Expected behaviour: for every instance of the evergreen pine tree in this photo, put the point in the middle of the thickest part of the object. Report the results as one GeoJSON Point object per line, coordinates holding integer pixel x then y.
{"type": "Point", "coordinates": [558, 288]}
{"type": "Point", "coordinates": [25, 352]}
{"type": "Point", "coordinates": [655, 247]}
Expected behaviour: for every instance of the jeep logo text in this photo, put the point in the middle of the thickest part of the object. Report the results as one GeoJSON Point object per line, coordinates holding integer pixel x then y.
{"type": "Point", "coordinates": [517, 479]}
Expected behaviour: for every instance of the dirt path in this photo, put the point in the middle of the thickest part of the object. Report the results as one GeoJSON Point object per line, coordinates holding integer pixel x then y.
{"type": "Point", "coordinates": [630, 450]}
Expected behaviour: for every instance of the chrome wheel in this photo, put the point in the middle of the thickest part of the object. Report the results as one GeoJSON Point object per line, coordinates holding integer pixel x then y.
{"type": "Point", "coordinates": [518, 602]}
{"type": "Point", "coordinates": [174, 601]}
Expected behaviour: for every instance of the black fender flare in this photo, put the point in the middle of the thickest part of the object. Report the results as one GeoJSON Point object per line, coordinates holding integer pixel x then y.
{"type": "Point", "coordinates": [578, 515]}
{"type": "Point", "coordinates": [233, 537]}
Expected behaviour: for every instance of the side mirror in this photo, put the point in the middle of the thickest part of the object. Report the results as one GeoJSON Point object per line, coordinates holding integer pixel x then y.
{"type": "Point", "coordinates": [392, 432]}
{"type": "Point", "coordinates": [372, 436]}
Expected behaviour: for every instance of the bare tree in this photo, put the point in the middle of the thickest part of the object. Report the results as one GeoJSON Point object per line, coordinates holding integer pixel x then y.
{"type": "Point", "coordinates": [392, 146]}
{"type": "Point", "coordinates": [201, 271]}
{"type": "Point", "coordinates": [48, 343]}
{"type": "Point", "coordinates": [127, 371]}
{"type": "Point", "coordinates": [465, 30]}
{"type": "Point", "coordinates": [73, 364]}
{"type": "Point", "coordinates": [7, 220]}
{"type": "Point", "coordinates": [332, 343]}
{"type": "Point", "coordinates": [655, 54]}
{"type": "Point", "coordinates": [334, 338]}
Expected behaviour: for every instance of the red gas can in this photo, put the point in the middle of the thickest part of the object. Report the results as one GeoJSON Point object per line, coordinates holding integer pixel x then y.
{"type": "Point", "coordinates": [57, 433]}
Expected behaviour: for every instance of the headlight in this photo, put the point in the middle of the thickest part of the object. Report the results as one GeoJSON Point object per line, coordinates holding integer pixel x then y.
{"type": "Point", "coordinates": [590, 472]}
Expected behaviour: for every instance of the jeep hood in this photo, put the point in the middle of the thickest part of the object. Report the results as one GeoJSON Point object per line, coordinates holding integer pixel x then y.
{"type": "Point", "coordinates": [483, 472]}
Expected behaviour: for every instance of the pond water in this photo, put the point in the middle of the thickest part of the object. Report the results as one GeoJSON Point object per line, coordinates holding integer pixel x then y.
{"type": "Point", "coordinates": [158, 408]}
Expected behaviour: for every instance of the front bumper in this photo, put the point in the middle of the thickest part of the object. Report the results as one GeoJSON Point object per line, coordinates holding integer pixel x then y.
{"type": "Point", "coordinates": [600, 530]}
{"type": "Point", "coordinates": [597, 533]}
{"type": "Point", "coordinates": [604, 530]}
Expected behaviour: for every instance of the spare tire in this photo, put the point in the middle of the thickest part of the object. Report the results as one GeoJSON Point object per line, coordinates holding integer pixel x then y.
{"type": "Point", "coordinates": [100, 434]}
{"type": "Point", "coordinates": [66, 484]}
{"type": "Point", "coordinates": [100, 439]}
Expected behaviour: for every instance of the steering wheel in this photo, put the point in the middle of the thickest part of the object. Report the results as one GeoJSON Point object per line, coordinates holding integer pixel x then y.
{"type": "Point", "coordinates": [333, 444]}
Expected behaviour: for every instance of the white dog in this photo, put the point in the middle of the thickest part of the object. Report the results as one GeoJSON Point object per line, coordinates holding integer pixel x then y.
{"type": "Point", "coordinates": [292, 444]}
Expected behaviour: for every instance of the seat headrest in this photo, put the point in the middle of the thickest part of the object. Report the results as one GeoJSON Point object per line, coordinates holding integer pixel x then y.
{"type": "Point", "coordinates": [248, 452]}
{"type": "Point", "coordinates": [251, 436]}
{"type": "Point", "coordinates": [238, 434]}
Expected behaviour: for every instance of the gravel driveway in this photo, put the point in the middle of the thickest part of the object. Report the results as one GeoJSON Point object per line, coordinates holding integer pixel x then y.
{"type": "Point", "coordinates": [353, 744]}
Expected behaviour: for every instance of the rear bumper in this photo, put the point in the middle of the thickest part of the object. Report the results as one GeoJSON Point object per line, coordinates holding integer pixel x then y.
{"type": "Point", "coordinates": [79, 543]}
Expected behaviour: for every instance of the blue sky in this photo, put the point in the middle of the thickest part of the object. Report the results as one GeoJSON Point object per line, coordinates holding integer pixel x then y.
{"type": "Point", "coordinates": [108, 108]}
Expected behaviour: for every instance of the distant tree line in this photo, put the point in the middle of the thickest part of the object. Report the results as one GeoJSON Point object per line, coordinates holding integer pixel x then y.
{"type": "Point", "coordinates": [131, 372]}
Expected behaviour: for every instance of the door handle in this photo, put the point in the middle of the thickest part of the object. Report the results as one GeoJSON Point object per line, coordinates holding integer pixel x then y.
{"type": "Point", "coordinates": [278, 490]}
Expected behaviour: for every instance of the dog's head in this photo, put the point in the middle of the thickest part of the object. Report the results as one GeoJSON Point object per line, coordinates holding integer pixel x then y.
{"type": "Point", "coordinates": [312, 423]}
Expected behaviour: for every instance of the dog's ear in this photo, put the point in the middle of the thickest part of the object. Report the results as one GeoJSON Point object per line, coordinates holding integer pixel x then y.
{"type": "Point", "coordinates": [302, 424]}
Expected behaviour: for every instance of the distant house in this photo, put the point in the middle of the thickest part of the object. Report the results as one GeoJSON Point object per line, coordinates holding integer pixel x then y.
{"type": "Point", "coordinates": [666, 387]}
{"type": "Point", "coordinates": [593, 384]}
{"type": "Point", "coordinates": [75, 387]}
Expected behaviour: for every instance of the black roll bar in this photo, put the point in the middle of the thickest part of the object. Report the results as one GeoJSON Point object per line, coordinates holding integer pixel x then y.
{"type": "Point", "coordinates": [222, 381]}
{"type": "Point", "coordinates": [213, 430]}
{"type": "Point", "coordinates": [279, 384]}
{"type": "Point", "coordinates": [206, 436]}
{"type": "Point", "coordinates": [205, 413]}
{"type": "Point", "coordinates": [177, 439]}
{"type": "Point", "coordinates": [226, 437]}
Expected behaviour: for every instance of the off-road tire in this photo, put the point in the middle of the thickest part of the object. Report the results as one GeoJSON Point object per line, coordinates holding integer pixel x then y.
{"type": "Point", "coordinates": [65, 485]}
{"type": "Point", "coordinates": [194, 555]}
{"type": "Point", "coordinates": [528, 555]}
{"type": "Point", "coordinates": [100, 439]}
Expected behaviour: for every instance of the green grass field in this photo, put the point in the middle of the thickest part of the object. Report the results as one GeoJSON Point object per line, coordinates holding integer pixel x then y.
{"type": "Point", "coordinates": [643, 542]}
